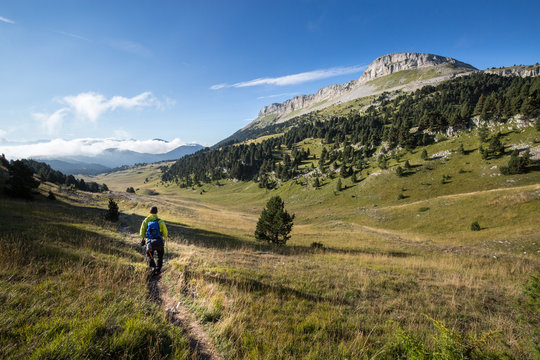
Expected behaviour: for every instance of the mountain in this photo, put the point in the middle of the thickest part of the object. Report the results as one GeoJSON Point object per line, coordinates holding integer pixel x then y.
{"type": "Point", "coordinates": [111, 158]}
{"type": "Point", "coordinates": [398, 71]}
{"type": "Point", "coordinates": [414, 69]}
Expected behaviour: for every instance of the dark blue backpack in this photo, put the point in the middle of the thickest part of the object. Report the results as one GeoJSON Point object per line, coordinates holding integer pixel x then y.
{"type": "Point", "coordinates": [152, 230]}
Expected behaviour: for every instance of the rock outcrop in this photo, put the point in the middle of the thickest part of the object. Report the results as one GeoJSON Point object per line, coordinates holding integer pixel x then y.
{"type": "Point", "coordinates": [518, 70]}
{"type": "Point", "coordinates": [382, 66]}
{"type": "Point", "coordinates": [391, 63]}
{"type": "Point", "coordinates": [423, 69]}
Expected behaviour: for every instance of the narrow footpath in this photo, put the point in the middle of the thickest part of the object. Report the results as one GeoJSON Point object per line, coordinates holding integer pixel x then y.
{"type": "Point", "coordinates": [178, 315]}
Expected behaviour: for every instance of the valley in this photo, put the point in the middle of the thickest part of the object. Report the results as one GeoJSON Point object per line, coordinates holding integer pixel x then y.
{"type": "Point", "coordinates": [415, 234]}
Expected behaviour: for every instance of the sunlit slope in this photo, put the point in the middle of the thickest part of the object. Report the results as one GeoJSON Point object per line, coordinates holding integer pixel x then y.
{"type": "Point", "coordinates": [419, 206]}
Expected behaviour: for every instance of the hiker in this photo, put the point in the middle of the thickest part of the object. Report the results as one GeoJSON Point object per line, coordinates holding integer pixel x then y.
{"type": "Point", "coordinates": [153, 230]}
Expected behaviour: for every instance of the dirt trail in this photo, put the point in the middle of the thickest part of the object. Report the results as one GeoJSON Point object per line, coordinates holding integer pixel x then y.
{"type": "Point", "coordinates": [177, 314]}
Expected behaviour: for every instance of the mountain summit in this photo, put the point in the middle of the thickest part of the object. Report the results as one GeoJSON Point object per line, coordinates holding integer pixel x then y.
{"type": "Point", "coordinates": [388, 72]}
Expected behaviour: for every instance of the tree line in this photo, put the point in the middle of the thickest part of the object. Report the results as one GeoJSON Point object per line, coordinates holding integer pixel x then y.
{"type": "Point", "coordinates": [405, 120]}
{"type": "Point", "coordinates": [22, 178]}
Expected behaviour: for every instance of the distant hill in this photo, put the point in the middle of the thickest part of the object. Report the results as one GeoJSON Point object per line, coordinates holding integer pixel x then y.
{"type": "Point", "coordinates": [112, 158]}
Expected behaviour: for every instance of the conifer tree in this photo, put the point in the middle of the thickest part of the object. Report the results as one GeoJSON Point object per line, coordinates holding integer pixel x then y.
{"type": "Point", "coordinates": [21, 180]}
{"type": "Point", "coordinates": [338, 185]}
{"type": "Point", "coordinates": [275, 223]}
{"type": "Point", "coordinates": [112, 214]}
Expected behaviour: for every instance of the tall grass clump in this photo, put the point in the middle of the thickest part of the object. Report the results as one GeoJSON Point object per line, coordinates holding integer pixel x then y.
{"type": "Point", "coordinates": [447, 344]}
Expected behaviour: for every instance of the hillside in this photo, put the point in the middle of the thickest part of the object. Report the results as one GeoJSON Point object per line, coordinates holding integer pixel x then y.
{"type": "Point", "coordinates": [394, 248]}
{"type": "Point", "coordinates": [415, 235]}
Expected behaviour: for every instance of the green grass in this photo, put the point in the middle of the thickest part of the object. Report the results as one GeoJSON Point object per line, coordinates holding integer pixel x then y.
{"type": "Point", "coordinates": [74, 288]}
{"type": "Point", "coordinates": [388, 266]}
{"type": "Point", "coordinates": [407, 76]}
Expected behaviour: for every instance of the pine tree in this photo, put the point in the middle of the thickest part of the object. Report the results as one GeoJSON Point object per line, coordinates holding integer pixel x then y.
{"type": "Point", "coordinates": [21, 181]}
{"type": "Point", "coordinates": [338, 185]}
{"type": "Point", "coordinates": [275, 223]}
{"type": "Point", "coordinates": [424, 154]}
{"type": "Point", "coordinates": [112, 214]}
{"type": "Point", "coordinates": [496, 147]}
{"type": "Point", "coordinates": [483, 133]}
{"type": "Point", "coordinates": [399, 171]}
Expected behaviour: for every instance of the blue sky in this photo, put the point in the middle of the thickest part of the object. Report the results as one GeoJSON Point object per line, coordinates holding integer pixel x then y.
{"type": "Point", "coordinates": [185, 69]}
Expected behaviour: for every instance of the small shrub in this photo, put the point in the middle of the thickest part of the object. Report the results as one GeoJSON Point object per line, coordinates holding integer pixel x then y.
{"type": "Point", "coordinates": [447, 344]}
{"type": "Point", "coordinates": [401, 196]}
{"type": "Point", "coordinates": [423, 209]}
{"type": "Point", "coordinates": [424, 154]}
{"type": "Point", "coordinates": [399, 171]}
{"type": "Point", "coordinates": [112, 214]}
{"type": "Point", "coordinates": [317, 245]}
{"type": "Point", "coordinates": [130, 190]}
{"type": "Point", "coordinates": [51, 196]}
{"type": "Point", "coordinates": [475, 226]}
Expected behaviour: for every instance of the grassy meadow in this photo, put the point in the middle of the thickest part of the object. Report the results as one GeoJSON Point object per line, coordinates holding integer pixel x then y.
{"type": "Point", "coordinates": [74, 287]}
{"type": "Point", "coordinates": [397, 277]}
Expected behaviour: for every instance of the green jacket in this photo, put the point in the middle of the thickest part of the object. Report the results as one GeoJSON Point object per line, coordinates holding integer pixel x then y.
{"type": "Point", "coordinates": [162, 227]}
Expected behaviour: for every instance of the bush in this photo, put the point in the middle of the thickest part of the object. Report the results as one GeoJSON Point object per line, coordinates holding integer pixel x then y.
{"type": "Point", "coordinates": [317, 245]}
{"type": "Point", "coordinates": [422, 209]}
{"type": "Point", "coordinates": [475, 226]}
{"type": "Point", "coordinates": [424, 154]}
{"type": "Point", "coordinates": [112, 214]}
{"type": "Point", "coordinates": [447, 344]}
{"type": "Point", "coordinates": [401, 196]}
{"type": "Point", "coordinates": [517, 164]}
{"type": "Point", "coordinates": [130, 190]}
{"type": "Point", "coordinates": [399, 171]}
{"type": "Point", "coordinates": [51, 196]}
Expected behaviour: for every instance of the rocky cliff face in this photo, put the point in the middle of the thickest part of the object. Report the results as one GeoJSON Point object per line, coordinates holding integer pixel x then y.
{"type": "Point", "coordinates": [519, 70]}
{"type": "Point", "coordinates": [382, 66]}
{"type": "Point", "coordinates": [391, 63]}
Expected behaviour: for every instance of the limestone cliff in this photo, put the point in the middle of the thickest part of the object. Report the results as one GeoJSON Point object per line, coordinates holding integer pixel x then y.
{"type": "Point", "coordinates": [443, 68]}
{"type": "Point", "coordinates": [392, 63]}
{"type": "Point", "coordinates": [518, 70]}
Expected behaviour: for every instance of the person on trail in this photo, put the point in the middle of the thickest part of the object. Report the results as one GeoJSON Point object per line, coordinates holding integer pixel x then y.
{"type": "Point", "coordinates": [153, 231]}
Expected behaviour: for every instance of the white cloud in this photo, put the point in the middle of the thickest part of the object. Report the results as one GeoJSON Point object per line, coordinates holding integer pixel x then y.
{"type": "Point", "coordinates": [72, 35]}
{"type": "Point", "coordinates": [295, 78]}
{"type": "Point", "coordinates": [92, 105]}
{"type": "Point", "coordinates": [87, 147]}
{"type": "Point", "coordinates": [219, 86]}
{"type": "Point", "coordinates": [277, 95]}
{"type": "Point", "coordinates": [53, 121]}
{"type": "Point", "coordinates": [130, 47]}
{"type": "Point", "coordinates": [6, 20]}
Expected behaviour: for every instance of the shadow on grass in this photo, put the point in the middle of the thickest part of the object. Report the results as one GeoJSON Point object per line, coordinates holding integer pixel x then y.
{"type": "Point", "coordinates": [252, 285]}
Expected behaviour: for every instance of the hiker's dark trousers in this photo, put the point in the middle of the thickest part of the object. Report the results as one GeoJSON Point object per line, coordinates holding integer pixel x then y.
{"type": "Point", "coordinates": [154, 247]}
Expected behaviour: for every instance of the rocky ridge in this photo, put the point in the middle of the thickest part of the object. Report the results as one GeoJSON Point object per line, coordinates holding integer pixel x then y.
{"type": "Point", "coordinates": [518, 70]}
{"type": "Point", "coordinates": [445, 67]}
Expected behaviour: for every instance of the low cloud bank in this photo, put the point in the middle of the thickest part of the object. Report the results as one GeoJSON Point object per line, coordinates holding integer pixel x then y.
{"type": "Point", "coordinates": [87, 147]}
